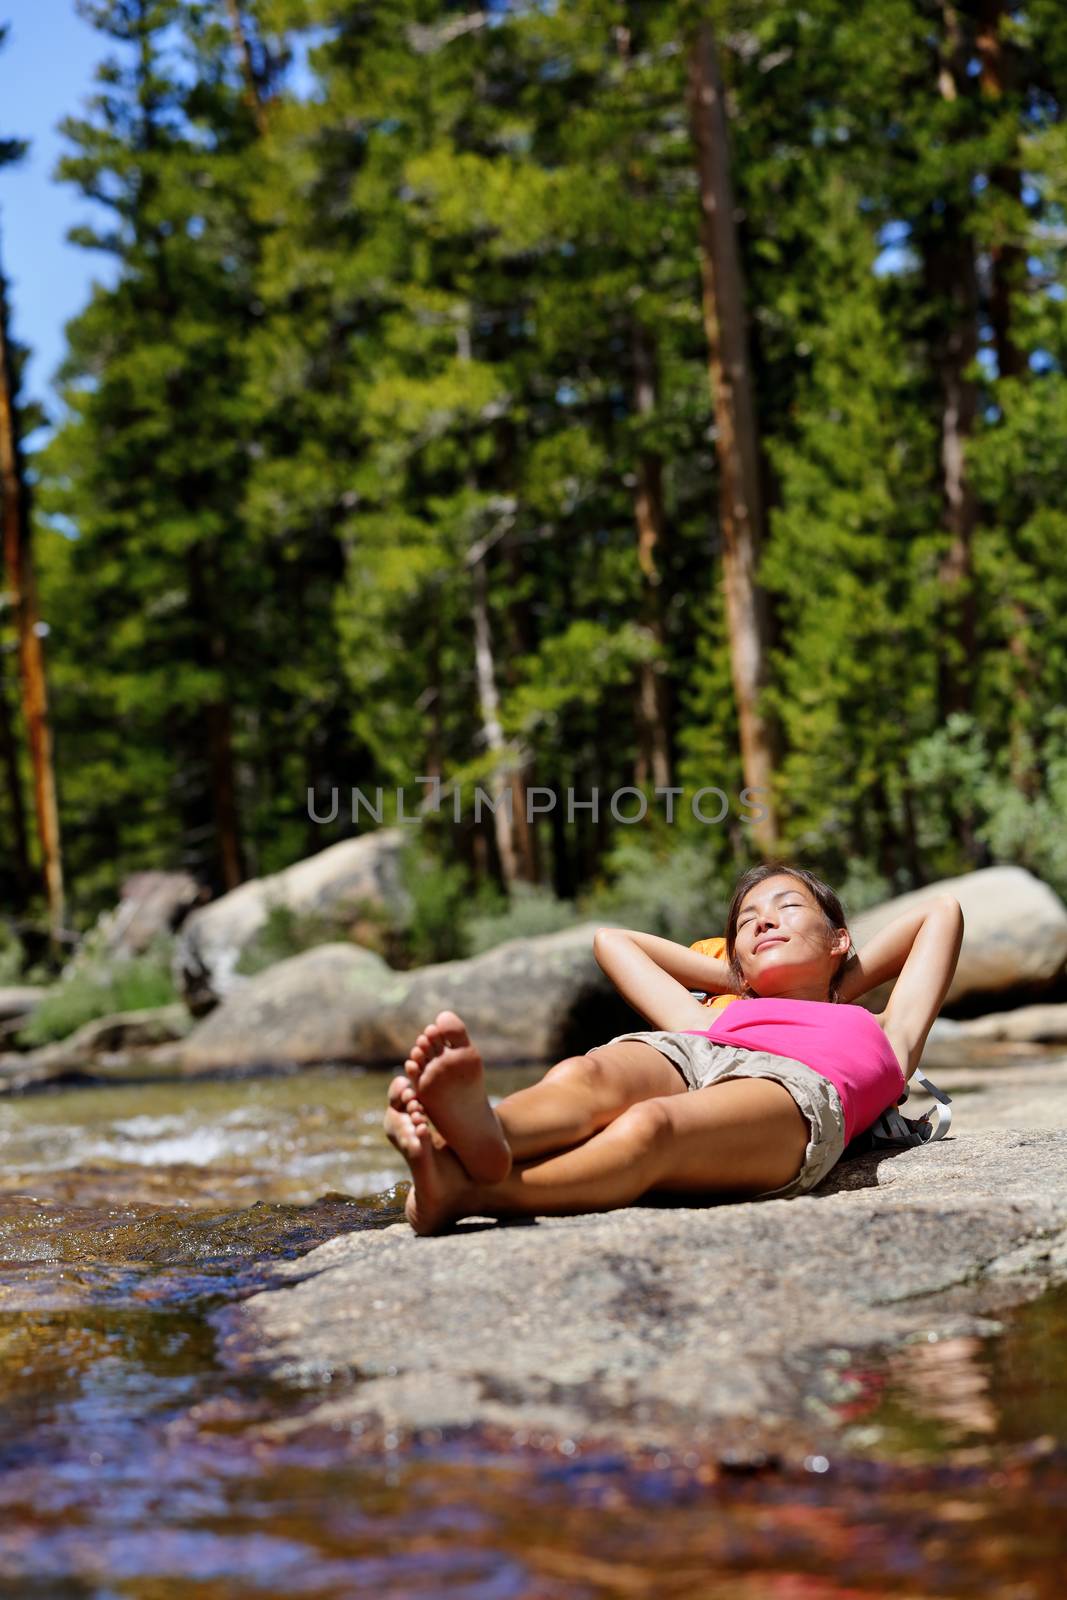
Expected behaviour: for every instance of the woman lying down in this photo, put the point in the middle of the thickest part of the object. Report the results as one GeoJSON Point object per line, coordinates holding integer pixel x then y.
{"type": "Point", "coordinates": [754, 1096]}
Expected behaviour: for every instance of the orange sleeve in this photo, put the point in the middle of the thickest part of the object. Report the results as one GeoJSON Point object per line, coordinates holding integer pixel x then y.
{"type": "Point", "coordinates": [714, 947]}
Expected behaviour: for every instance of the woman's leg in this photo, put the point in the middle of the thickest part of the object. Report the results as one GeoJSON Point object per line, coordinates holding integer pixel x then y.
{"type": "Point", "coordinates": [582, 1094]}
{"type": "Point", "coordinates": [574, 1098]}
{"type": "Point", "coordinates": [738, 1136]}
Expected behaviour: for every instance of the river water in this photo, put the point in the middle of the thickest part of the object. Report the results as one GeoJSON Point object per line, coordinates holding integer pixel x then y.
{"type": "Point", "coordinates": [134, 1463]}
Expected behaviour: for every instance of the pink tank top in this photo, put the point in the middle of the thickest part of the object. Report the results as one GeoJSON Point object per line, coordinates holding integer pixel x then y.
{"type": "Point", "coordinates": [843, 1042]}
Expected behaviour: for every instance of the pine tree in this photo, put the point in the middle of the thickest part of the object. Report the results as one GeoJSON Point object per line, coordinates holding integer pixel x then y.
{"type": "Point", "coordinates": [150, 460]}
{"type": "Point", "coordinates": [21, 598]}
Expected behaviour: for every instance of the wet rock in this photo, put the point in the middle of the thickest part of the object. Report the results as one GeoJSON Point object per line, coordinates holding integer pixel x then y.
{"type": "Point", "coordinates": [338, 883]}
{"type": "Point", "coordinates": [527, 1000]}
{"type": "Point", "coordinates": [996, 1084]}
{"type": "Point", "coordinates": [311, 1008]}
{"type": "Point", "coordinates": [17, 1001]}
{"type": "Point", "coordinates": [667, 1323]}
{"type": "Point", "coordinates": [1014, 938]}
{"type": "Point", "coordinates": [151, 904]}
{"type": "Point", "coordinates": [91, 1046]}
{"type": "Point", "coordinates": [1031, 1024]}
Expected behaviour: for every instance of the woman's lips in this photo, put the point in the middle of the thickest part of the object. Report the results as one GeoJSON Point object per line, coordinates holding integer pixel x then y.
{"type": "Point", "coordinates": [776, 938]}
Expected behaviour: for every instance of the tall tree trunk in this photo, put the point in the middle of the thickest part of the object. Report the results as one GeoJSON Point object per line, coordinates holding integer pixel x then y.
{"type": "Point", "coordinates": [952, 286]}
{"type": "Point", "coordinates": [1007, 259]}
{"type": "Point", "coordinates": [20, 855]}
{"type": "Point", "coordinates": [521, 629]}
{"type": "Point", "coordinates": [741, 501]}
{"type": "Point", "coordinates": [653, 701]}
{"type": "Point", "coordinates": [489, 702]}
{"type": "Point", "coordinates": [431, 697]}
{"type": "Point", "coordinates": [1007, 274]}
{"type": "Point", "coordinates": [653, 717]}
{"type": "Point", "coordinates": [564, 873]}
{"type": "Point", "coordinates": [218, 726]}
{"type": "Point", "coordinates": [508, 785]}
{"type": "Point", "coordinates": [22, 588]}
{"type": "Point", "coordinates": [951, 274]}
{"type": "Point", "coordinates": [243, 46]}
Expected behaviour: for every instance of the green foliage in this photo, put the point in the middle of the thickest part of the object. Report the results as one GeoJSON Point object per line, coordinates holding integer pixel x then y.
{"type": "Point", "coordinates": [851, 560]}
{"type": "Point", "coordinates": [95, 988]}
{"type": "Point", "coordinates": [531, 911]}
{"type": "Point", "coordinates": [674, 890]}
{"type": "Point", "coordinates": [440, 896]}
{"type": "Point", "coordinates": [12, 956]}
{"type": "Point", "coordinates": [287, 932]}
{"type": "Point", "coordinates": [862, 887]}
{"type": "Point", "coordinates": [357, 436]}
{"type": "Point", "coordinates": [957, 775]}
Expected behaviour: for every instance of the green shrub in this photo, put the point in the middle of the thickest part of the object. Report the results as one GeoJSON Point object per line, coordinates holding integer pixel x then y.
{"type": "Point", "coordinates": [862, 887]}
{"type": "Point", "coordinates": [287, 932]}
{"type": "Point", "coordinates": [676, 891]}
{"type": "Point", "coordinates": [93, 989]}
{"type": "Point", "coordinates": [532, 910]}
{"type": "Point", "coordinates": [671, 892]}
{"type": "Point", "coordinates": [12, 956]}
{"type": "Point", "coordinates": [957, 776]}
{"type": "Point", "coordinates": [440, 894]}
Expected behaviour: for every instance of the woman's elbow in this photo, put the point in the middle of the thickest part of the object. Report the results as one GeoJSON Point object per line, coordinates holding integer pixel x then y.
{"type": "Point", "coordinates": [605, 938]}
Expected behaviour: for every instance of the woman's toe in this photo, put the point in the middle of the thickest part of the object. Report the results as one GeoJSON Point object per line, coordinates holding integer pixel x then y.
{"type": "Point", "coordinates": [451, 1027]}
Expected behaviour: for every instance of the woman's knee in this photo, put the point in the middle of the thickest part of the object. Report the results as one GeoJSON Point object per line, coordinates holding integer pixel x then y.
{"type": "Point", "coordinates": [596, 1085]}
{"type": "Point", "coordinates": [648, 1123]}
{"type": "Point", "coordinates": [585, 1073]}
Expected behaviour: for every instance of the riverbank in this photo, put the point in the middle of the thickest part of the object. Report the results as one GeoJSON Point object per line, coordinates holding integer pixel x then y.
{"type": "Point", "coordinates": [722, 1327]}
{"type": "Point", "coordinates": [195, 1394]}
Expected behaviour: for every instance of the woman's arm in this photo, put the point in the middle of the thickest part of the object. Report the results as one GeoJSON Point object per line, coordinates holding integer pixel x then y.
{"type": "Point", "coordinates": [884, 954]}
{"type": "Point", "coordinates": [655, 975]}
{"type": "Point", "coordinates": [923, 946]}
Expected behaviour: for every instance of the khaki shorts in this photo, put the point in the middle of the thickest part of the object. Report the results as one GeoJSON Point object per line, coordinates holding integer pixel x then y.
{"type": "Point", "coordinates": [700, 1062]}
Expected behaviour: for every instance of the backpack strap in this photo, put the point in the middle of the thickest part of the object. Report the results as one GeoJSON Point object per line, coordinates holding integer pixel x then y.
{"type": "Point", "coordinates": [893, 1131]}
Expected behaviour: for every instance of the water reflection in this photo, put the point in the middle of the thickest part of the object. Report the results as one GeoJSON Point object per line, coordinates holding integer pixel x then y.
{"type": "Point", "coordinates": [133, 1463]}
{"type": "Point", "coordinates": [965, 1397]}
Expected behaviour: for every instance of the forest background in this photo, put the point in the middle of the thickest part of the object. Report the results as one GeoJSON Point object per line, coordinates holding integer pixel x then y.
{"type": "Point", "coordinates": [590, 396]}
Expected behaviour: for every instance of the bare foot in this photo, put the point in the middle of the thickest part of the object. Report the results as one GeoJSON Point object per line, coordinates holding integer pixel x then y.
{"type": "Point", "coordinates": [401, 1096]}
{"type": "Point", "coordinates": [439, 1184]}
{"type": "Point", "coordinates": [445, 1070]}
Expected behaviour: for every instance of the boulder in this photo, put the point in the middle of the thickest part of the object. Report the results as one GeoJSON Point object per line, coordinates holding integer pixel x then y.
{"type": "Point", "coordinates": [672, 1323]}
{"type": "Point", "coordinates": [18, 1000]}
{"type": "Point", "coordinates": [337, 883]}
{"type": "Point", "coordinates": [151, 906]}
{"type": "Point", "coordinates": [529, 1000]}
{"type": "Point", "coordinates": [1014, 937]}
{"type": "Point", "coordinates": [313, 1007]}
{"type": "Point", "coordinates": [1027, 1024]}
{"type": "Point", "coordinates": [81, 1052]}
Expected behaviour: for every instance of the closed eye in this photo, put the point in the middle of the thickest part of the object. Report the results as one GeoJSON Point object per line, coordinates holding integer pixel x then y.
{"type": "Point", "coordinates": [787, 905]}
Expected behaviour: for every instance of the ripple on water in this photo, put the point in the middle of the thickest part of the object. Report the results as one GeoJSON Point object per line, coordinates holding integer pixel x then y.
{"type": "Point", "coordinates": [133, 1462]}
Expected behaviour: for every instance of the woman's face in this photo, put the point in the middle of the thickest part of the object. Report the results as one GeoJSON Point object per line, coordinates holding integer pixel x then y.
{"type": "Point", "coordinates": [782, 940]}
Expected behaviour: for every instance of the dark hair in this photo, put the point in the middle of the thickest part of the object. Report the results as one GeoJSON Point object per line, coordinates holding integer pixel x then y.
{"type": "Point", "coordinates": [825, 898]}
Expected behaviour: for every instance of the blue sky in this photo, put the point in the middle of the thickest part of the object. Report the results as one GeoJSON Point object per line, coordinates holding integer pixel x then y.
{"type": "Point", "coordinates": [46, 72]}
